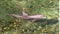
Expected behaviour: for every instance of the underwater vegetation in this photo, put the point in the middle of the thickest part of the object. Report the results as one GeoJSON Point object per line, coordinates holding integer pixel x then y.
{"type": "Point", "coordinates": [12, 25]}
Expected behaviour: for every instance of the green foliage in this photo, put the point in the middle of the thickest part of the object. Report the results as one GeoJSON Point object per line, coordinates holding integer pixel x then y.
{"type": "Point", "coordinates": [11, 25]}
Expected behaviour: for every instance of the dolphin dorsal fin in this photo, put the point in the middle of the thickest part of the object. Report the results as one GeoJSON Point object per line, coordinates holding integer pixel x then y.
{"type": "Point", "coordinates": [24, 13]}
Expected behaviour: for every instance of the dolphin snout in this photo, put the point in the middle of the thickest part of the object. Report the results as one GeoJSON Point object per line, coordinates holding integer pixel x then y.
{"type": "Point", "coordinates": [44, 17]}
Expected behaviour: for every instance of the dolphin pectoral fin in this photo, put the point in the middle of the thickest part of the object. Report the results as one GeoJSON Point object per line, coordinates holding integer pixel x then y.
{"type": "Point", "coordinates": [33, 20]}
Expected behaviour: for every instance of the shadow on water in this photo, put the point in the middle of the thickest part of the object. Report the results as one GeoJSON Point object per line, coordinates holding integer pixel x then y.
{"type": "Point", "coordinates": [49, 21]}
{"type": "Point", "coordinates": [52, 21]}
{"type": "Point", "coordinates": [44, 22]}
